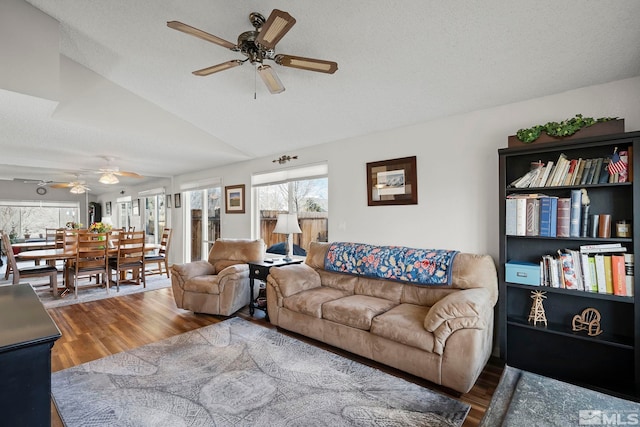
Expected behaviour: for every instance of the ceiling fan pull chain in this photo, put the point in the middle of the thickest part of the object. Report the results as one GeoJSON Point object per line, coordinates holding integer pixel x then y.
{"type": "Point", "coordinates": [255, 82]}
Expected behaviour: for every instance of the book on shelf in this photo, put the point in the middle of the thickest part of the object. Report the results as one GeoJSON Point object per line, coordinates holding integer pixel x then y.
{"type": "Point", "coordinates": [604, 173]}
{"type": "Point", "coordinates": [569, 276]}
{"type": "Point", "coordinates": [585, 173]}
{"type": "Point", "coordinates": [574, 213]}
{"type": "Point", "coordinates": [577, 175]}
{"type": "Point", "coordinates": [570, 171]}
{"type": "Point", "coordinates": [548, 216]}
{"type": "Point", "coordinates": [545, 174]}
{"type": "Point", "coordinates": [563, 217]}
{"type": "Point", "coordinates": [618, 275]}
{"type": "Point", "coordinates": [510, 216]}
{"type": "Point", "coordinates": [608, 274]}
{"type": "Point", "coordinates": [601, 275]}
{"type": "Point", "coordinates": [532, 216]}
{"type": "Point", "coordinates": [594, 173]}
{"type": "Point", "coordinates": [602, 248]}
{"type": "Point", "coordinates": [629, 274]}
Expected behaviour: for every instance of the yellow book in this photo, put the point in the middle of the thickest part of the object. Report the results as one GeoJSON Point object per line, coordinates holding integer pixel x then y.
{"type": "Point", "coordinates": [608, 274]}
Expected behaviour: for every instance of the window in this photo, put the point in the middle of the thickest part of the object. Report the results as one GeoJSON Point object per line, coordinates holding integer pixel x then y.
{"type": "Point", "coordinates": [153, 214]}
{"type": "Point", "coordinates": [21, 219]}
{"type": "Point", "coordinates": [303, 191]}
{"type": "Point", "coordinates": [201, 204]}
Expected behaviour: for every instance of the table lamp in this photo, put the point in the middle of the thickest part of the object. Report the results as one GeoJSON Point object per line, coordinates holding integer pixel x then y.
{"type": "Point", "coordinates": [287, 224]}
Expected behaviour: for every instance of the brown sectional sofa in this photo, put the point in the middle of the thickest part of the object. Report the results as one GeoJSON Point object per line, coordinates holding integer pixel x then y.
{"type": "Point", "coordinates": [440, 333]}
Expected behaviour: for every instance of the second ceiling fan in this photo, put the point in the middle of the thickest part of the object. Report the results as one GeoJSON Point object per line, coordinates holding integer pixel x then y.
{"type": "Point", "coordinates": [259, 45]}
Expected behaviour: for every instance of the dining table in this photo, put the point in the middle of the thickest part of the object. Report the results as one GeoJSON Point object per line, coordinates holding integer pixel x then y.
{"type": "Point", "coordinates": [61, 254]}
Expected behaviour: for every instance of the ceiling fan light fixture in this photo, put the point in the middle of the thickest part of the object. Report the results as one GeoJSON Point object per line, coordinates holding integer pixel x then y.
{"type": "Point", "coordinates": [108, 178]}
{"type": "Point", "coordinates": [277, 25]}
{"type": "Point", "coordinates": [270, 79]}
{"type": "Point", "coordinates": [77, 189]}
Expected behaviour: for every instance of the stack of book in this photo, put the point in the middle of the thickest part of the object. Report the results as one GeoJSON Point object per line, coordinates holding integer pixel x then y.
{"type": "Point", "coordinates": [605, 269]}
{"type": "Point", "coordinates": [545, 216]}
{"type": "Point", "coordinates": [566, 172]}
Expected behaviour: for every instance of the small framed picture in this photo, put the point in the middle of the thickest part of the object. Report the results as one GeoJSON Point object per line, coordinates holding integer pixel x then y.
{"type": "Point", "coordinates": [107, 209]}
{"type": "Point", "coordinates": [392, 182]}
{"type": "Point", "coordinates": [234, 198]}
{"type": "Point", "coordinates": [168, 201]}
{"type": "Point", "coordinates": [135, 204]}
{"type": "Point", "coordinates": [177, 201]}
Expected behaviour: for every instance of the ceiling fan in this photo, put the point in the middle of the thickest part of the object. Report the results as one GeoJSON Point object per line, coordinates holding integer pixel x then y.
{"type": "Point", "coordinates": [38, 182]}
{"type": "Point", "coordinates": [259, 45]}
{"type": "Point", "coordinates": [76, 187]}
{"type": "Point", "coordinates": [109, 174]}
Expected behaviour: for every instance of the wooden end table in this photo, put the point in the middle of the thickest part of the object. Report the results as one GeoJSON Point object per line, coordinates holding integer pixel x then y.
{"type": "Point", "coordinates": [259, 270]}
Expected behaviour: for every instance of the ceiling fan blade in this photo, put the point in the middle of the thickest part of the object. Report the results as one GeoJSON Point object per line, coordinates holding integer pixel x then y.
{"type": "Point", "coordinates": [309, 64]}
{"type": "Point", "coordinates": [270, 79]}
{"type": "Point", "coordinates": [220, 67]}
{"type": "Point", "coordinates": [62, 185]}
{"type": "Point", "coordinates": [277, 25]}
{"type": "Point", "coordinates": [128, 174]}
{"type": "Point", "coordinates": [176, 25]}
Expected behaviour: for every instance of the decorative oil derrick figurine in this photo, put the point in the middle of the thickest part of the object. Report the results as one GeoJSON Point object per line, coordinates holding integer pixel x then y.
{"type": "Point", "coordinates": [537, 310]}
{"type": "Point", "coordinates": [588, 321]}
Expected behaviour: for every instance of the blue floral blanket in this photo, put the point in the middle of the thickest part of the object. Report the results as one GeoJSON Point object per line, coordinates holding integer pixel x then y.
{"type": "Point", "coordinates": [418, 266]}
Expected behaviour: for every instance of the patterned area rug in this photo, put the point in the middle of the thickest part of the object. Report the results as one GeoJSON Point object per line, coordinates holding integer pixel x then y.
{"type": "Point", "coordinates": [235, 373]}
{"type": "Point", "coordinates": [524, 399]}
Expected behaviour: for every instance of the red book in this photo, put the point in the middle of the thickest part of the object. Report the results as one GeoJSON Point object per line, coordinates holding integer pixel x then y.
{"type": "Point", "coordinates": [618, 275]}
{"type": "Point", "coordinates": [564, 217]}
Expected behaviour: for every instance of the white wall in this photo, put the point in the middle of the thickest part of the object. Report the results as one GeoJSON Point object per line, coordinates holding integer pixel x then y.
{"type": "Point", "coordinates": [457, 164]}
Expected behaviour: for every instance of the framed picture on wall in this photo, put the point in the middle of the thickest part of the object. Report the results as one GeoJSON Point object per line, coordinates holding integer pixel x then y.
{"type": "Point", "coordinates": [168, 201]}
{"type": "Point", "coordinates": [176, 199]}
{"type": "Point", "coordinates": [234, 198]}
{"type": "Point", "coordinates": [392, 182]}
{"type": "Point", "coordinates": [135, 204]}
{"type": "Point", "coordinates": [107, 209]}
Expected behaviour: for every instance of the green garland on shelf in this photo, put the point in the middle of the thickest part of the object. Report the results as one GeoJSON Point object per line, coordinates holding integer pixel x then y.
{"type": "Point", "coordinates": [564, 128]}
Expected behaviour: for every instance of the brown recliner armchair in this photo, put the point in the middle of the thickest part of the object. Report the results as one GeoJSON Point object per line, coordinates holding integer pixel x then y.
{"type": "Point", "coordinates": [219, 285]}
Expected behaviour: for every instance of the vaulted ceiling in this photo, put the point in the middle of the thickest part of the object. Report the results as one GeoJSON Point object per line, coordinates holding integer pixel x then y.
{"type": "Point", "coordinates": [82, 81]}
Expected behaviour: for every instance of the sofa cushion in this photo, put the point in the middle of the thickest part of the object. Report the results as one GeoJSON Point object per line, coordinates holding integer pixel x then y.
{"type": "Point", "coordinates": [295, 278]}
{"type": "Point", "coordinates": [316, 254]}
{"type": "Point", "coordinates": [203, 285]}
{"type": "Point", "coordinates": [310, 302]}
{"type": "Point", "coordinates": [243, 250]}
{"type": "Point", "coordinates": [404, 324]}
{"type": "Point", "coordinates": [356, 311]}
{"type": "Point", "coordinates": [379, 288]}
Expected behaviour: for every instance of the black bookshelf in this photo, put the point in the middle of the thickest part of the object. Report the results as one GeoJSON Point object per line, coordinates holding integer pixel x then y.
{"type": "Point", "coordinates": [607, 362]}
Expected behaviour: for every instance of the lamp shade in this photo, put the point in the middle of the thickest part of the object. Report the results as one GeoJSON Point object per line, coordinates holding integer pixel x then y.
{"type": "Point", "coordinates": [287, 224]}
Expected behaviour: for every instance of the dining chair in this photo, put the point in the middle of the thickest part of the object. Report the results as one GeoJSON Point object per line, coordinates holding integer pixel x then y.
{"type": "Point", "coordinates": [31, 271]}
{"type": "Point", "coordinates": [90, 260]}
{"type": "Point", "coordinates": [161, 258]}
{"type": "Point", "coordinates": [129, 257]}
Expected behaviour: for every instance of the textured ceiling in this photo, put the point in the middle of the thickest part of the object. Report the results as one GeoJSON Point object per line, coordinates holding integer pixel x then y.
{"type": "Point", "coordinates": [112, 80]}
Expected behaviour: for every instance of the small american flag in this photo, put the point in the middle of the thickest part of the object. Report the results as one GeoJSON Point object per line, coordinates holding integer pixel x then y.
{"type": "Point", "coordinates": [616, 165]}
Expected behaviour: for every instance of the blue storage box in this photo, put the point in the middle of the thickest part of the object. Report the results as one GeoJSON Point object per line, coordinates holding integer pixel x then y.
{"type": "Point", "coordinates": [522, 272]}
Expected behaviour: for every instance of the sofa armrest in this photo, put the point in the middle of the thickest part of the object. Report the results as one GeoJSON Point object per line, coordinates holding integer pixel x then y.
{"type": "Point", "coordinates": [236, 269]}
{"type": "Point", "coordinates": [291, 279]}
{"type": "Point", "coordinates": [464, 309]}
{"type": "Point", "coordinates": [184, 272]}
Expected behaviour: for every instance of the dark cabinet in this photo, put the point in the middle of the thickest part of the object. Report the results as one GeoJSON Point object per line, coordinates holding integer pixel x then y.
{"type": "Point", "coordinates": [27, 335]}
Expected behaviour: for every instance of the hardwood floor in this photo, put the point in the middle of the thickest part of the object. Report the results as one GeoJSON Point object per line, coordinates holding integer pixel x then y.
{"type": "Point", "coordinates": [102, 328]}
